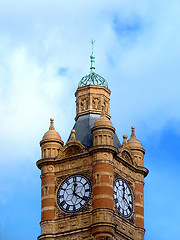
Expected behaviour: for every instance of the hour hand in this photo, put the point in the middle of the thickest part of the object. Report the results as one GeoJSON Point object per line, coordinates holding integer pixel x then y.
{"type": "Point", "coordinates": [74, 189]}
{"type": "Point", "coordinates": [123, 191]}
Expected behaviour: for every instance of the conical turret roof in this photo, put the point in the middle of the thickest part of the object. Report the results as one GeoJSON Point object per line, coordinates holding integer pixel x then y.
{"type": "Point", "coordinates": [51, 134]}
{"type": "Point", "coordinates": [133, 142]}
{"type": "Point", "coordinates": [103, 120]}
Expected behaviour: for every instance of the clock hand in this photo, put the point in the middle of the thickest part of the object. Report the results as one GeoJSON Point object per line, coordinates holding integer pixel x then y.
{"type": "Point", "coordinates": [74, 190]}
{"type": "Point", "coordinates": [83, 198]}
{"type": "Point", "coordinates": [123, 191]}
{"type": "Point", "coordinates": [127, 203]}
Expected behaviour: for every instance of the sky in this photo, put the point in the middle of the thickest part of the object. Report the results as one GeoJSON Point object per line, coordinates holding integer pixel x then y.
{"type": "Point", "coordinates": [44, 52]}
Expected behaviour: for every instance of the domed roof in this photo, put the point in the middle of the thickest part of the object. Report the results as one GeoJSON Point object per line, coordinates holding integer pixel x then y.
{"type": "Point", "coordinates": [133, 142]}
{"type": "Point", "coordinates": [103, 120]}
{"type": "Point", "coordinates": [51, 134]}
{"type": "Point", "coordinates": [92, 78]}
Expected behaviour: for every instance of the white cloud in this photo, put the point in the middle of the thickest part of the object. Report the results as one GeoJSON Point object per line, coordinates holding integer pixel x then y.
{"type": "Point", "coordinates": [139, 58]}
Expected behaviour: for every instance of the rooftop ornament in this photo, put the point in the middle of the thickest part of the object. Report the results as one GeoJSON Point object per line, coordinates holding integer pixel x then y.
{"type": "Point", "coordinates": [92, 78]}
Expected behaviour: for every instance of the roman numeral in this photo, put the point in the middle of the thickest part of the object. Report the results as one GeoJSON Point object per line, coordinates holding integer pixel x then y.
{"type": "Point", "coordinates": [67, 208]}
{"type": "Point", "coordinates": [129, 208]}
{"type": "Point", "coordinates": [67, 182]}
{"type": "Point", "coordinates": [85, 198]}
{"type": "Point", "coordinates": [63, 203]}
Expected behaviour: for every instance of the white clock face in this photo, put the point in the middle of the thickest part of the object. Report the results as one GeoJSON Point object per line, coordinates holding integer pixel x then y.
{"type": "Point", "coordinates": [123, 198]}
{"type": "Point", "coordinates": [74, 193]}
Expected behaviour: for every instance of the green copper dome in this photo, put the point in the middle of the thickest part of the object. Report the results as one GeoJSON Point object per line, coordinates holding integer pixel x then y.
{"type": "Point", "coordinates": [92, 78]}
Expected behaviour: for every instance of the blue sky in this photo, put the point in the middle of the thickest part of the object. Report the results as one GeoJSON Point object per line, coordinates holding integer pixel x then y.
{"type": "Point", "coordinates": [44, 52]}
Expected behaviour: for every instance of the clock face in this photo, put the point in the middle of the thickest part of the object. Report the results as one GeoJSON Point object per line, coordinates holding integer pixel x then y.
{"type": "Point", "coordinates": [74, 193]}
{"type": "Point", "coordinates": [123, 198]}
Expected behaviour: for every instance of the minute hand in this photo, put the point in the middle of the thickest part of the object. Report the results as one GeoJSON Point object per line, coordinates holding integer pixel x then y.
{"type": "Point", "coordinates": [126, 201]}
{"type": "Point", "coordinates": [83, 198]}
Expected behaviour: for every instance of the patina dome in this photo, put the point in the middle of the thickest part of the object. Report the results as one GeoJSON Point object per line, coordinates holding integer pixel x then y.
{"type": "Point", "coordinates": [92, 78]}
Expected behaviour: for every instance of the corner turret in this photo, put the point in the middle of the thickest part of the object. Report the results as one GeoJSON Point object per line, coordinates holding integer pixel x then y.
{"type": "Point", "coordinates": [103, 131]}
{"type": "Point", "coordinates": [136, 147]}
{"type": "Point", "coordinates": [51, 142]}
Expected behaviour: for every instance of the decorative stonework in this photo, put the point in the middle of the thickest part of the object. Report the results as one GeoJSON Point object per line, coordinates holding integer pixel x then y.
{"type": "Point", "coordinates": [96, 103]}
{"type": "Point", "coordinates": [72, 147]}
{"type": "Point", "coordinates": [126, 156]}
{"type": "Point", "coordinates": [91, 99]}
{"type": "Point", "coordinates": [106, 106]}
{"type": "Point", "coordinates": [84, 103]}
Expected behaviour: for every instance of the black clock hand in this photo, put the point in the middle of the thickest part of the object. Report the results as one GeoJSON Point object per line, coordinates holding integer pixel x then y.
{"type": "Point", "coordinates": [83, 198]}
{"type": "Point", "coordinates": [74, 190]}
{"type": "Point", "coordinates": [127, 203]}
{"type": "Point", "coordinates": [123, 191]}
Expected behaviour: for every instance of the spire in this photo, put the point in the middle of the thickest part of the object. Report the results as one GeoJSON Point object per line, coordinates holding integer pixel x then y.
{"type": "Point", "coordinates": [92, 57]}
{"type": "Point", "coordinates": [133, 132]}
{"type": "Point", "coordinates": [72, 136]}
{"type": "Point", "coordinates": [51, 134]}
{"type": "Point", "coordinates": [124, 139]}
{"type": "Point", "coordinates": [51, 124]}
{"type": "Point", "coordinates": [92, 78]}
{"type": "Point", "coordinates": [133, 142]}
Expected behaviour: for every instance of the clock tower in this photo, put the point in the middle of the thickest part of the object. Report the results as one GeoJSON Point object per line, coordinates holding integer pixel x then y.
{"type": "Point", "coordinates": [92, 186]}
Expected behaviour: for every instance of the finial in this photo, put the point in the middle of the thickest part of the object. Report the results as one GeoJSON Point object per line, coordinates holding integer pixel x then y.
{"type": "Point", "coordinates": [124, 139]}
{"type": "Point", "coordinates": [133, 132]}
{"type": "Point", "coordinates": [51, 124]}
{"type": "Point", "coordinates": [72, 137]}
{"type": "Point", "coordinates": [92, 41]}
{"type": "Point", "coordinates": [92, 57]}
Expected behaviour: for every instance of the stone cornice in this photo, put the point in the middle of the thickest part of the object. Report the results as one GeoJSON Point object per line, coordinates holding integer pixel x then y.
{"type": "Point", "coordinates": [98, 148]}
{"type": "Point", "coordinates": [138, 169]}
{"type": "Point", "coordinates": [46, 161]}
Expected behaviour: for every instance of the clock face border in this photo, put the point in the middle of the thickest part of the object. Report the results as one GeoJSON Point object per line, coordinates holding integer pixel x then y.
{"type": "Point", "coordinates": [128, 200]}
{"type": "Point", "coordinates": [73, 179]}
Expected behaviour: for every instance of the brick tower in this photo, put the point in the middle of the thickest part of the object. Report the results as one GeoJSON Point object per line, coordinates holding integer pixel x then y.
{"type": "Point", "coordinates": [92, 187]}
